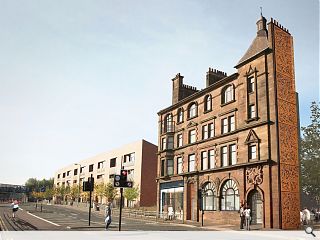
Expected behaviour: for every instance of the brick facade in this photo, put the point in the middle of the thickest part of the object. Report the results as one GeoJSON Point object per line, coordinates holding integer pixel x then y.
{"type": "Point", "coordinates": [249, 129]}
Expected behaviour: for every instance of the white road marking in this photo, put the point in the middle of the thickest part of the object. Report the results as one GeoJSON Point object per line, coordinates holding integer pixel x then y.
{"type": "Point", "coordinates": [3, 226]}
{"type": "Point", "coordinates": [68, 227]}
{"type": "Point", "coordinates": [44, 219]}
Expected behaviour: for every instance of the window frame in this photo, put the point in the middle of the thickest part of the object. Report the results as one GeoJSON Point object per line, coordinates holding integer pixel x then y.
{"type": "Point", "coordinates": [191, 161]}
{"type": "Point", "coordinates": [224, 156]}
{"type": "Point", "coordinates": [111, 161]}
{"type": "Point", "coordinates": [251, 85]}
{"type": "Point", "coordinates": [179, 140]}
{"type": "Point", "coordinates": [179, 165]}
{"type": "Point", "coordinates": [250, 153]}
{"type": "Point", "coordinates": [207, 103]}
{"type": "Point", "coordinates": [230, 184]}
{"type": "Point", "coordinates": [192, 136]}
{"type": "Point", "coordinates": [192, 111]}
{"type": "Point", "coordinates": [91, 166]}
{"type": "Point", "coordinates": [232, 154]}
{"type": "Point", "coordinates": [171, 167]}
{"type": "Point", "coordinates": [227, 94]}
{"type": "Point", "coordinates": [204, 160]}
{"type": "Point", "coordinates": [170, 142]}
{"type": "Point", "coordinates": [180, 115]}
{"type": "Point", "coordinates": [252, 111]}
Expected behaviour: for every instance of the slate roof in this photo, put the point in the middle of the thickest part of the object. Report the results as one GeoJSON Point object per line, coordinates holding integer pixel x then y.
{"type": "Point", "coordinates": [259, 44]}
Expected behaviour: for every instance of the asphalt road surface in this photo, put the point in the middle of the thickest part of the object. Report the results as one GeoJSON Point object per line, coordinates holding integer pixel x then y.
{"type": "Point", "coordinates": [62, 218]}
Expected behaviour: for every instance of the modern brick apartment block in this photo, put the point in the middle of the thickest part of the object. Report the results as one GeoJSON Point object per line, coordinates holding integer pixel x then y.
{"type": "Point", "coordinates": [236, 141]}
{"type": "Point", "coordinates": [139, 158]}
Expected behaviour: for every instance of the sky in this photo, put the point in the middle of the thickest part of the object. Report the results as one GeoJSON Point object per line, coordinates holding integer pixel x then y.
{"type": "Point", "coordinates": [78, 78]}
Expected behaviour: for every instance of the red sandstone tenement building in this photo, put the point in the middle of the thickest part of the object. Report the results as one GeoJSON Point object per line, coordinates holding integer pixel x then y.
{"type": "Point", "coordinates": [235, 141]}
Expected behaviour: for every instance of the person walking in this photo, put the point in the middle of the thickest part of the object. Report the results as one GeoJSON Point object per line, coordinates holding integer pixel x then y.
{"type": "Point", "coordinates": [15, 208]}
{"type": "Point", "coordinates": [307, 216]}
{"type": "Point", "coordinates": [242, 217]}
{"type": "Point", "coordinates": [107, 212]}
{"type": "Point", "coordinates": [170, 212]}
{"type": "Point", "coordinates": [247, 215]}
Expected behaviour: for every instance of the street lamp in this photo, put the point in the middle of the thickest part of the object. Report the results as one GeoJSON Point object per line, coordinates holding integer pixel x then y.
{"type": "Point", "coordinates": [78, 182]}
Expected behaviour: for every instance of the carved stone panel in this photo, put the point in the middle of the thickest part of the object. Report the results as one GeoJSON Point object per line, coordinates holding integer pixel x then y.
{"type": "Point", "coordinates": [285, 88]}
{"type": "Point", "coordinates": [290, 210]}
{"type": "Point", "coordinates": [290, 178]}
{"type": "Point", "coordinates": [288, 130]}
{"type": "Point", "coordinates": [288, 138]}
{"type": "Point", "coordinates": [254, 175]}
{"type": "Point", "coordinates": [287, 113]}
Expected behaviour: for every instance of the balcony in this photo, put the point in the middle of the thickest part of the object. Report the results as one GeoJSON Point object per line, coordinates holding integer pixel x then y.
{"type": "Point", "coordinates": [167, 127]}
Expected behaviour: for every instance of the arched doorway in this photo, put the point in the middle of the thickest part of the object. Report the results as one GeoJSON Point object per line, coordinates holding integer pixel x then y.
{"type": "Point", "coordinates": [256, 205]}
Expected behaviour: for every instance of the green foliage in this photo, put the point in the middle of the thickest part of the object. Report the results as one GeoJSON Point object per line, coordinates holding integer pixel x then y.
{"type": "Point", "coordinates": [73, 191]}
{"type": "Point", "coordinates": [34, 185]}
{"type": "Point", "coordinates": [48, 194]}
{"type": "Point", "coordinates": [131, 194]}
{"type": "Point", "coordinates": [110, 192]}
{"type": "Point", "coordinates": [100, 189]}
{"type": "Point", "coordinates": [310, 155]}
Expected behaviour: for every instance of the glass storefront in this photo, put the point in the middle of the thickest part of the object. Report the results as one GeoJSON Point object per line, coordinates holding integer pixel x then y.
{"type": "Point", "coordinates": [171, 200]}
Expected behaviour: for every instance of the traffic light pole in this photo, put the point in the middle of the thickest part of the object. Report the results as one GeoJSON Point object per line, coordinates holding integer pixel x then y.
{"type": "Point", "coordinates": [120, 214]}
{"type": "Point", "coordinates": [91, 182]}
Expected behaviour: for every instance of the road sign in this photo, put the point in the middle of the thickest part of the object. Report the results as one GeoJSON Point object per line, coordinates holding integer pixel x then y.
{"type": "Point", "coordinates": [42, 189]}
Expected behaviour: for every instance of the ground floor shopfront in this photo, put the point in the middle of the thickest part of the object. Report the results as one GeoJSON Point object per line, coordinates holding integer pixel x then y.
{"type": "Point", "coordinates": [217, 196]}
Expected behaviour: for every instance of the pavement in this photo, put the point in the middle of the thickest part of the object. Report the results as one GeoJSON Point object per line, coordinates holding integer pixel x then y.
{"type": "Point", "coordinates": [74, 218]}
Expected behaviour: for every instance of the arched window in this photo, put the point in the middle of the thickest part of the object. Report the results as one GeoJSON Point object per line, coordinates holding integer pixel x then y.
{"type": "Point", "coordinates": [168, 124]}
{"type": "Point", "coordinates": [230, 196]}
{"type": "Point", "coordinates": [227, 94]}
{"type": "Point", "coordinates": [180, 115]}
{"type": "Point", "coordinates": [209, 197]}
{"type": "Point", "coordinates": [207, 103]}
{"type": "Point", "coordinates": [192, 111]}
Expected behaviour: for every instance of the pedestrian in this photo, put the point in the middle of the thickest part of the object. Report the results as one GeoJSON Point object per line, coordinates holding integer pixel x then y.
{"type": "Point", "coordinates": [242, 217]}
{"type": "Point", "coordinates": [170, 212]}
{"type": "Point", "coordinates": [107, 212]}
{"type": "Point", "coordinates": [247, 215]}
{"type": "Point", "coordinates": [306, 216]}
{"type": "Point", "coordinates": [301, 217]}
{"type": "Point", "coordinates": [15, 208]}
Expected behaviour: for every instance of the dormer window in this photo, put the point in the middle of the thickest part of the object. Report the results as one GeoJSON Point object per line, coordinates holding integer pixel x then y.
{"type": "Point", "coordinates": [207, 103]}
{"type": "Point", "coordinates": [227, 94]}
{"type": "Point", "coordinates": [192, 111]}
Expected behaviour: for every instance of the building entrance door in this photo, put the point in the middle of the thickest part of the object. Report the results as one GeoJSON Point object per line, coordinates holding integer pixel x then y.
{"type": "Point", "coordinates": [256, 206]}
{"type": "Point", "coordinates": [190, 203]}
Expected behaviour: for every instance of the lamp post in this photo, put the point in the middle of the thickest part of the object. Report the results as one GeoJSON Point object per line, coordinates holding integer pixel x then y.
{"type": "Point", "coordinates": [78, 182]}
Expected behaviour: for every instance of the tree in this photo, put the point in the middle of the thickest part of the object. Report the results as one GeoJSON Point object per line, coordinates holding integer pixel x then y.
{"type": "Point", "coordinates": [110, 192]}
{"type": "Point", "coordinates": [310, 155]}
{"type": "Point", "coordinates": [100, 190]}
{"type": "Point", "coordinates": [34, 185]}
{"type": "Point", "coordinates": [48, 194]}
{"type": "Point", "coordinates": [72, 192]}
{"type": "Point", "coordinates": [131, 194]}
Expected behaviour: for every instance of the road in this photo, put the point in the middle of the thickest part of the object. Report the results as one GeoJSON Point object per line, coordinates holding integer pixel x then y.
{"type": "Point", "coordinates": [63, 218]}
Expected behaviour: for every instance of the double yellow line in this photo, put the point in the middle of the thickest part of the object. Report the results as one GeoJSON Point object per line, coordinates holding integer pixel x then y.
{"type": "Point", "coordinates": [2, 225]}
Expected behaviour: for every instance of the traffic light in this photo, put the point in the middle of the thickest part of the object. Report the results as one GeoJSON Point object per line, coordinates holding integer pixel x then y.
{"type": "Point", "coordinates": [122, 180]}
{"type": "Point", "coordinates": [89, 185]}
{"type": "Point", "coordinates": [123, 175]}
